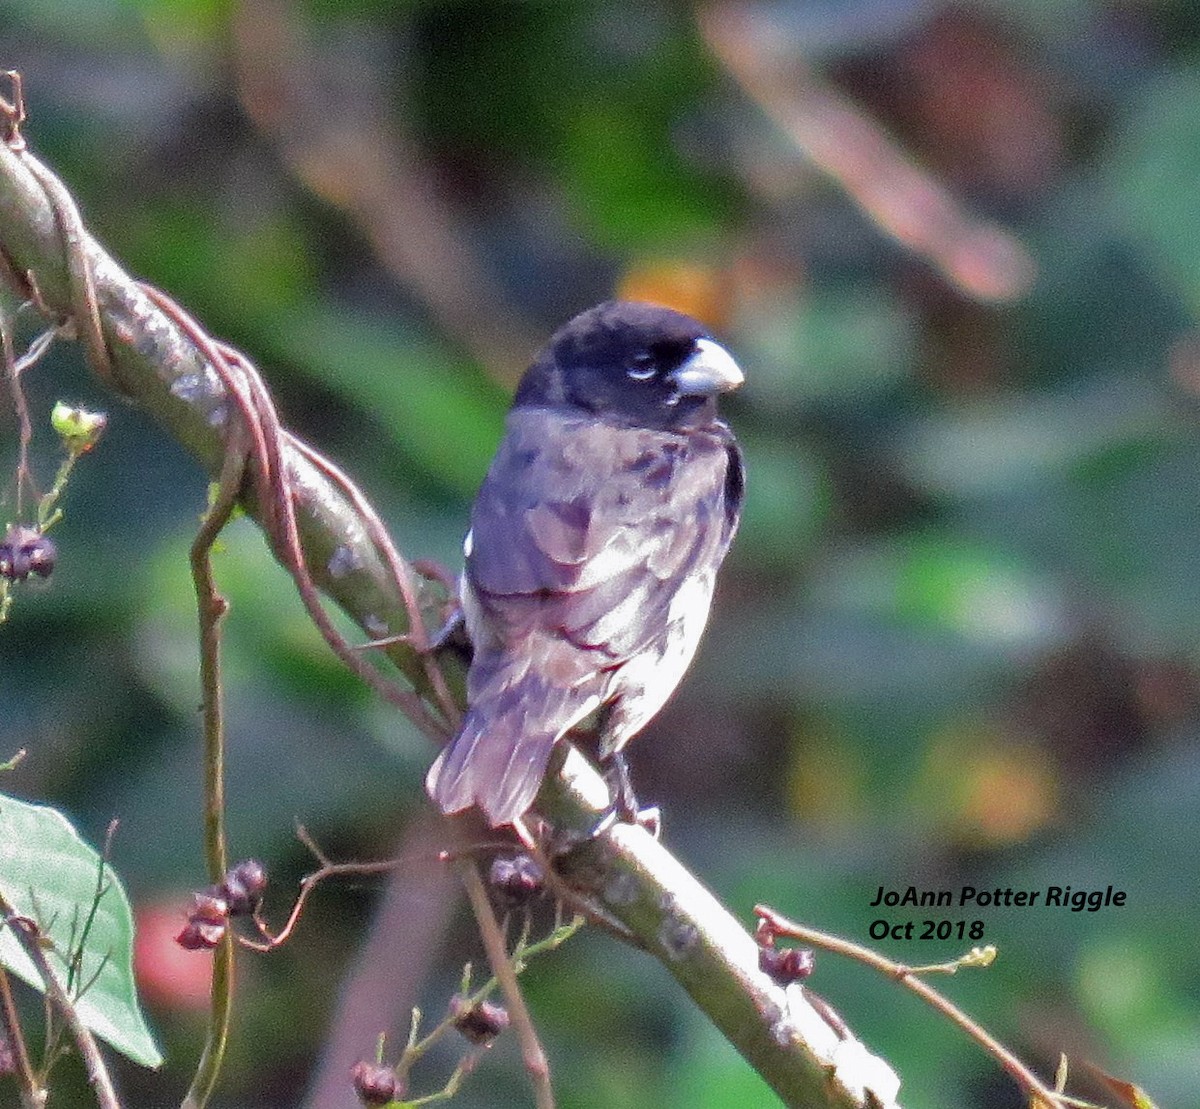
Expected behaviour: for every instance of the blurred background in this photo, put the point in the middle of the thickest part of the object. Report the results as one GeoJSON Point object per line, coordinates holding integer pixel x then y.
{"type": "Point", "coordinates": [956, 248]}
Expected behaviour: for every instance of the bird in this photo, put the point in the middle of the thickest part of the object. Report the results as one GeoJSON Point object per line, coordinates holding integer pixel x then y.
{"type": "Point", "coordinates": [593, 548]}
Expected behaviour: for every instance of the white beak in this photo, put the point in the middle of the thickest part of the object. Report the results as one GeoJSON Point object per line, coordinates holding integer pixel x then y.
{"type": "Point", "coordinates": [710, 370]}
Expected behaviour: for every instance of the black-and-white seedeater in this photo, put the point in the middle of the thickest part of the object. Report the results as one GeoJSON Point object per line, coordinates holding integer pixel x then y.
{"type": "Point", "coordinates": [594, 545]}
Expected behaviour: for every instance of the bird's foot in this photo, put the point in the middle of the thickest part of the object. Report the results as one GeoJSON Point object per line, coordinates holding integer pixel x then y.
{"type": "Point", "coordinates": [620, 788]}
{"type": "Point", "coordinates": [625, 807]}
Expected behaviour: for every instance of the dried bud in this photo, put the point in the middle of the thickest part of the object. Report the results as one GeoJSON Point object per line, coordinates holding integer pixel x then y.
{"type": "Point", "coordinates": [786, 964]}
{"type": "Point", "coordinates": [42, 555]}
{"type": "Point", "coordinates": [374, 1083]}
{"type": "Point", "coordinates": [479, 1023]}
{"type": "Point", "coordinates": [209, 907]}
{"type": "Point", "coordinates": [243, 887]}
{"type": "Point", "coordinates": [25, 551]}
{"type": "Point", "coordinates": [8, 1059]}
{"type": "Point", "coordinates": [516, 878]}
{"type": "Point", "coordinates": [199, 935]}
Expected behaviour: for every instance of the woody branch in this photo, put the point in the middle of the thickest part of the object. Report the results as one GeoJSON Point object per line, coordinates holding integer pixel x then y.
{"type": "Point", "coordinates": [631, 878]}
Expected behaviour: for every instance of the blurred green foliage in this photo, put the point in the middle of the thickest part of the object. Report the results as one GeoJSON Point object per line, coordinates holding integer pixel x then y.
{"type": "Point", "coordinates": [957, 641]}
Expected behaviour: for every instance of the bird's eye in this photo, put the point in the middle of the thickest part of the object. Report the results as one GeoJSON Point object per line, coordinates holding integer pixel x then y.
{"type": "Point", "coordinates": [641, 367]}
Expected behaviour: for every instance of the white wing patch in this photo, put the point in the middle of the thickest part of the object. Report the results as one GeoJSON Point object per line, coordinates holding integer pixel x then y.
{"type": "Point", "coordinates": [473, 618]}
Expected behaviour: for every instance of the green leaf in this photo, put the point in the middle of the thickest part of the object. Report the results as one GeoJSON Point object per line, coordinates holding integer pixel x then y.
{"type": "Point", "coordinates": [47, 873]}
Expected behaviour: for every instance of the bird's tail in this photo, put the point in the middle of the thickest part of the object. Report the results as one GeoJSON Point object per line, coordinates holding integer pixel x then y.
{"type": "Point", "coordinates": [498, 759]}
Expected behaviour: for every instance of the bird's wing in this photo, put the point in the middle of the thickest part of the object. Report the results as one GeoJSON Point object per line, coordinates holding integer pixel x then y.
{"type": "Point", "coordinates": [581, 537]}
{"type": "Point", "coordinates": [584, 530]}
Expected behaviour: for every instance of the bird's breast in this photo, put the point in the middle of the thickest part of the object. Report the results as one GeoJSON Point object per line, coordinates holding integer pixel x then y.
{"type": "Point", "coordinates": [644, 683]}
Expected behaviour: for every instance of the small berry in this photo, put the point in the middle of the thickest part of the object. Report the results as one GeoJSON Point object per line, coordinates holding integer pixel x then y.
{"type": "Point", "coordinates": [479, 1023]}
{"type": "Point", "coordinates": [243, 887]}
{"type": "Point", "coordinates": [516, 878]}
{"type": "Point", "coordinates": [198, 935]}
{"type": "Point", "coordinates": [209, 907]}
{"type": "Point", "coordinates": [374, 1083]}
{"type": "Point", "coordinates": [786, 964]}
{"type": "Point", "coordinates": [25, 551]}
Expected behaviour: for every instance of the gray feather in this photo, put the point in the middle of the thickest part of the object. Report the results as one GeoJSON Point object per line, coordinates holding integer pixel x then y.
{"type": "Point", "coordinates": [498, 759]}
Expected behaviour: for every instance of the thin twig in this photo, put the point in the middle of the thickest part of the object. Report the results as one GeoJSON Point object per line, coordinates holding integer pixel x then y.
{"type": "Point", "coordinates": [29, 937]}
{"type": "Point", "coordinates": [378, 992]}
{"type": "Point", "coordinates": [33, 1096]}
{"type": "Point", "coordinates": [417, 637]}
{"type": "Point", "coordinates": [211, 608]}
{"type": "Point", "coordinates": [20, 406]}
{"type": "Point", "coordinates": [13, 368]}
{"type": "Point", "coordinates": [493, 942]}
{"type": "Point", "coordinates": [78, 943]}
{"type": "Point", "coordinates": [419, 1046]}
{"type": "Point", "coordinates": [308, 883]}
{"type": "Point", "coordinates": [907, 976]}
{"type": "Point", "coordinates": [904, 201]}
